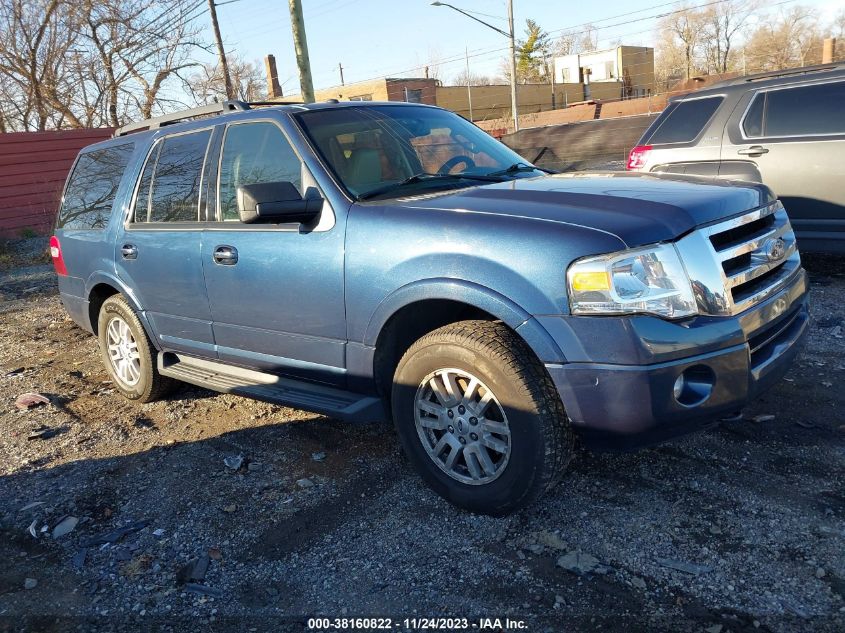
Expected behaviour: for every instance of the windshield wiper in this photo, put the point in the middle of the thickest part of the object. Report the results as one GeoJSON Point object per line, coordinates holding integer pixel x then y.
{"type": "Point", "coordinates": [518, 167]}
{"type": "Point", "coordinates": [425, 177]}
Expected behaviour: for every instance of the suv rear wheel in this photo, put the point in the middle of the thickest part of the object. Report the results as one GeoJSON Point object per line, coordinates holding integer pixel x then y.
{"type": "Point", "coordinates": [127, 353]}
{"type": "Point", "coordinates": [479, 417]}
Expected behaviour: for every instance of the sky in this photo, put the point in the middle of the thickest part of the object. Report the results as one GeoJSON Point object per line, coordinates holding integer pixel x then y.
{"type": "Point", "coordinates": [384, 38]}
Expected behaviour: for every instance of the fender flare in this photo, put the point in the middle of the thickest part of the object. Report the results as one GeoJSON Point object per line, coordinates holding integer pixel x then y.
{"type": "Point", "coordinates": [472, 294]}
{"type": "Point", "coordinates": [100, 277]}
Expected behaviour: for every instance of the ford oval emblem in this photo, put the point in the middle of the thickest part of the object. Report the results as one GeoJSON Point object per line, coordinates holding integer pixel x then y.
{"type": "Point", "coordinates": [779, 307]}
{"type": "Point", "coordinates": [775, 249]}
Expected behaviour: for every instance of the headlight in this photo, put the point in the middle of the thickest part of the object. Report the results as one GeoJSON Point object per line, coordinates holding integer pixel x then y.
{"type": "Point", "coordinates": [650, 280]}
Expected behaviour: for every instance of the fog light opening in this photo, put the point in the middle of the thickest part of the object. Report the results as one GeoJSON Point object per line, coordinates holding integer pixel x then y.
{"type": "Point", "coordinates": [694, 385]}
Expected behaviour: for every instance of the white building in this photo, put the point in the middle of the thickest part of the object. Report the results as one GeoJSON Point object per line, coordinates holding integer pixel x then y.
{"type": "Point", "coordinates": [630, 66]}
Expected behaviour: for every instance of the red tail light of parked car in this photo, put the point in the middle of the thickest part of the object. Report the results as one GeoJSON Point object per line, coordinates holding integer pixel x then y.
{"type": "Point", "coordinates": [56, 256]}
{"type": "Point", "coordinates": [638, 157]}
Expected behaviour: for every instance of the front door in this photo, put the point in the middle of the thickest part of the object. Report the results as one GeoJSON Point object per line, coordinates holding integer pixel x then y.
{"type": "Point", "coordinates": [795, 135]}
{"type": "Point", "coordinates": [275, 291]}
{"type": "Point", "coordinates": [158, 254]}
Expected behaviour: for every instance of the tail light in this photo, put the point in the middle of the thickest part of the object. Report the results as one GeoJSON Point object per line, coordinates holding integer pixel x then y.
{"type": "Point", "coordinates": [57, 257]}
{"type": "Point", "coordinates": [638, 157]}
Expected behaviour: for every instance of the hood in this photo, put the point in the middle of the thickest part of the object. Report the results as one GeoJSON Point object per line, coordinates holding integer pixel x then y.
{"type": "Point", "coordinates": [638, 208]}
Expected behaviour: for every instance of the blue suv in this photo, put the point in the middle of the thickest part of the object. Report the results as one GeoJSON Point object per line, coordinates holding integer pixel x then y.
{"type": "Point", "coordinates": [373, 261]}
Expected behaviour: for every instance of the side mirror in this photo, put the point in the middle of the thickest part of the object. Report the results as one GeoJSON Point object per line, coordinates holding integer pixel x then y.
{"type": "Point", "coordinates": [276, 202]}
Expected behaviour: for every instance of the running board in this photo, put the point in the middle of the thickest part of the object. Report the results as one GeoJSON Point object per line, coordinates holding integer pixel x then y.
{"type": "Point", "coordinates": [334, 403]}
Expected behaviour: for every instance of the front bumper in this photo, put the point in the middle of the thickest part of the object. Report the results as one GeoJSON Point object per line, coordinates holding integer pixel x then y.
{"type": "Point", "coordinates": [624, 405]}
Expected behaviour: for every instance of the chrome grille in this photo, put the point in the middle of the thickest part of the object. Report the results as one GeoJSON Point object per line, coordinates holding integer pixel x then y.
{"type": "Point", "coordinates": [754, 254]}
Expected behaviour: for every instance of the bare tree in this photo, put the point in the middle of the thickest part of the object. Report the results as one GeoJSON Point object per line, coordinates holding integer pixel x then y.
{"type": "Point", "coordinates": [469, 78]}
{"type": "Point", "coordinates": [81, 63]}
{"type": "Point", "coordinates": [37, 36]}
{"type": "Point", "coordinates": [839, 24]}
{"type": "Point", "coordinates": [723, 23]}
{"type": "Point", "coordinates": [208, 85]}
{"type": "Point", "coordinates": [685, 30]}
{"type": "Point", "coordinates": [793, 38]}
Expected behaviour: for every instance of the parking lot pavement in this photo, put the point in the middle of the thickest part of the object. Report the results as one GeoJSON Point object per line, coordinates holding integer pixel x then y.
{"type": "Point", "coordinates": [740, 527]}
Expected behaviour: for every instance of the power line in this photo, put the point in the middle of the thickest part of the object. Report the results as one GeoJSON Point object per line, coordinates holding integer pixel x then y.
{"type": "Point", "coordinates": [489, 52]}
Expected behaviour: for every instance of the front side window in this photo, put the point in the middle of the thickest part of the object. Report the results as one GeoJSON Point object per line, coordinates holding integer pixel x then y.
{"type": "Point", "coordinates": [685, 121]}
{"type": "Point", "coordinates": [254, 153]}
{"type": "Point", "coordinates": [169, 190]}
{"type": "Point", "coordinates": [368, 148]}
{"type": "Point", "coordinates": [92, 187]}
{"type": "Point", "coordinates": [806, 110]}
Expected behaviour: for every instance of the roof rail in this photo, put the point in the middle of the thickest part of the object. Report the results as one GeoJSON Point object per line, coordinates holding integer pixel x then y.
{"type": "Point", "coordinates": [774, 74]}
{"type": "Point", "coordinates": [192, 113]}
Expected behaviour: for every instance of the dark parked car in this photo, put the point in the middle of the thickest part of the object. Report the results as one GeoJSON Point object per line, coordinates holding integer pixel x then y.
{"type": "Point", "coordinates": [377, 261]}
{"type": "Point", "coordinates": [785, 129]}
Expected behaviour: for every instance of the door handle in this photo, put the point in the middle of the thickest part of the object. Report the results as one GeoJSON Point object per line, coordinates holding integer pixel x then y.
{"type": "Point", "coordinates": [754, 150]}
{"type": "Point", "coordinates": [226, 255]}
{"type": "Point", "coordinates": [129, 251]}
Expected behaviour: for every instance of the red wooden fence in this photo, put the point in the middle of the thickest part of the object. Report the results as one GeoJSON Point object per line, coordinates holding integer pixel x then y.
{"type": "Point", "coordinates": [33, 169]}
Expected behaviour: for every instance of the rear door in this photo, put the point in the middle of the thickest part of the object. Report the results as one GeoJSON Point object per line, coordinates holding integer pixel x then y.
{"type": "Point", "coordinates": [158, 253]}
{"type": "Point", "coordinates": [275, 290]}
{"type": "Point", "coordinates": [795, 136]}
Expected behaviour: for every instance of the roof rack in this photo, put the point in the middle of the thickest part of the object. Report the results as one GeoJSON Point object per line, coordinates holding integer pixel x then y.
{"type": "Point", "coordinates": [774, 74]}
{"type": "Point", "coordinates": [192, 113]}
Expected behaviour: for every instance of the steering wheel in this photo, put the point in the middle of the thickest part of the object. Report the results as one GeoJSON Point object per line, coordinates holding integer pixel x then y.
{"type": "Point", "coordinates": [453, 162]}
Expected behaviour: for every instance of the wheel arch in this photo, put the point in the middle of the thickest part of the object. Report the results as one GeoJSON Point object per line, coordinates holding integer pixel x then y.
{"type": "Point", "coordinates": [419, 308]}
{"type": "Point", "coordinates": [102, 286]}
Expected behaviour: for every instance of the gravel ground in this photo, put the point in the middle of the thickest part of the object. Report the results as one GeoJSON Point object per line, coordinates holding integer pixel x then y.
{"type": "Point", "coordinates": [740, 528]}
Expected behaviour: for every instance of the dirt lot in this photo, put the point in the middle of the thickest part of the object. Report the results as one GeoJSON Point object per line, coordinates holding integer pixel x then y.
{"type": "Point", "coordinates": [741, 528]}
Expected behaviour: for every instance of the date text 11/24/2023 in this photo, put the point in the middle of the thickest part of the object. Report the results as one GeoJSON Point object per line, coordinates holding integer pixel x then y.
{"type": "Point", "coordinates": [416, 624]}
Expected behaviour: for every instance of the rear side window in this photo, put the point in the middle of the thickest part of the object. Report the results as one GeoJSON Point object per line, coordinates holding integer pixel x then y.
{"type": "Point", "coordinates": [806, 110]}
{"type": "Point", "coordinates": [685, 121]}
{"type": "Point", "coordinates": [170, 184]}
{"type": "Point", "coordinates": [92, 187]}
{"type": "Point", "coordinates": [752, 124]}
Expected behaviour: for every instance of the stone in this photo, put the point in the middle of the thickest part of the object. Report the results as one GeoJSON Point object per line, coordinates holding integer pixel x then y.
{"type": "Point", "coordinates": [65, 526]}
{"type": "Point", "coordinates": [687, 568]}
{"type": "Point", "coordinates": [579, 563]}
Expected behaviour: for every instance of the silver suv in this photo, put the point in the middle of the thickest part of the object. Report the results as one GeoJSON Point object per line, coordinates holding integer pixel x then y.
{"type": "Point", "coordinates": [784, 129]}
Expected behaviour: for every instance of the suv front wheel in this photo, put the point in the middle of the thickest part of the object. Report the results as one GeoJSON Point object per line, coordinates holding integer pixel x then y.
{"type": "Point", "coordinates": [127, 352]}
{"type": "Point", "coordinates": [479, 417]}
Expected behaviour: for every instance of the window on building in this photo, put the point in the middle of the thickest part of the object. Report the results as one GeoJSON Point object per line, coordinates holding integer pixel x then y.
{"type": "Point", "coordinates": [805, 110]}
{"type": "Point", "coordinates": [170, 184]}
{"type": "Point", "coordinates": [413, 95]}
{"type": "Point", "coordinates": [90, 193]}
{"type": "Point", "coordinates": [609, 68]}
{"type": "Point", "coordinates": [683, 121]}
{"type": "Point", "coordinates": [361, 98]}
{"type": "Point", "coordinates": [254, 153]}
{"type": "Point", "coordinates": [566, 75]}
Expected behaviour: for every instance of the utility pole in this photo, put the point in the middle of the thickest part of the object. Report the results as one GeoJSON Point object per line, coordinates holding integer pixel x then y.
{"type": "Point", "coordinates": [340, 68]}
{"type": "Point", "coordinates": [300, 44]}
{"type": "Point", "coordinates": [227, 80]}
{"type": "Point", "coordinates": [469, 90]}
{"type": "Point", "coordinates": [511, 36]}
{"type": "Point", "coordinates": [514, 105]}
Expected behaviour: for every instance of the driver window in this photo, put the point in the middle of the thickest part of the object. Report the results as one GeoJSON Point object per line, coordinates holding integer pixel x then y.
{"type": "Point", "coordinates": [254, 153]}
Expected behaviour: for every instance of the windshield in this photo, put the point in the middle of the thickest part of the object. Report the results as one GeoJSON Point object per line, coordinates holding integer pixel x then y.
{"type": "Point", "coordinates": [370, 148]}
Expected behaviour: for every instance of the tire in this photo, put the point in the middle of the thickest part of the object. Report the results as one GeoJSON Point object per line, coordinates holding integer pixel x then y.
{"type": "Point", "coordinates": [523, 427]}
{"type": "Point", "coordinates": [139, 380]}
